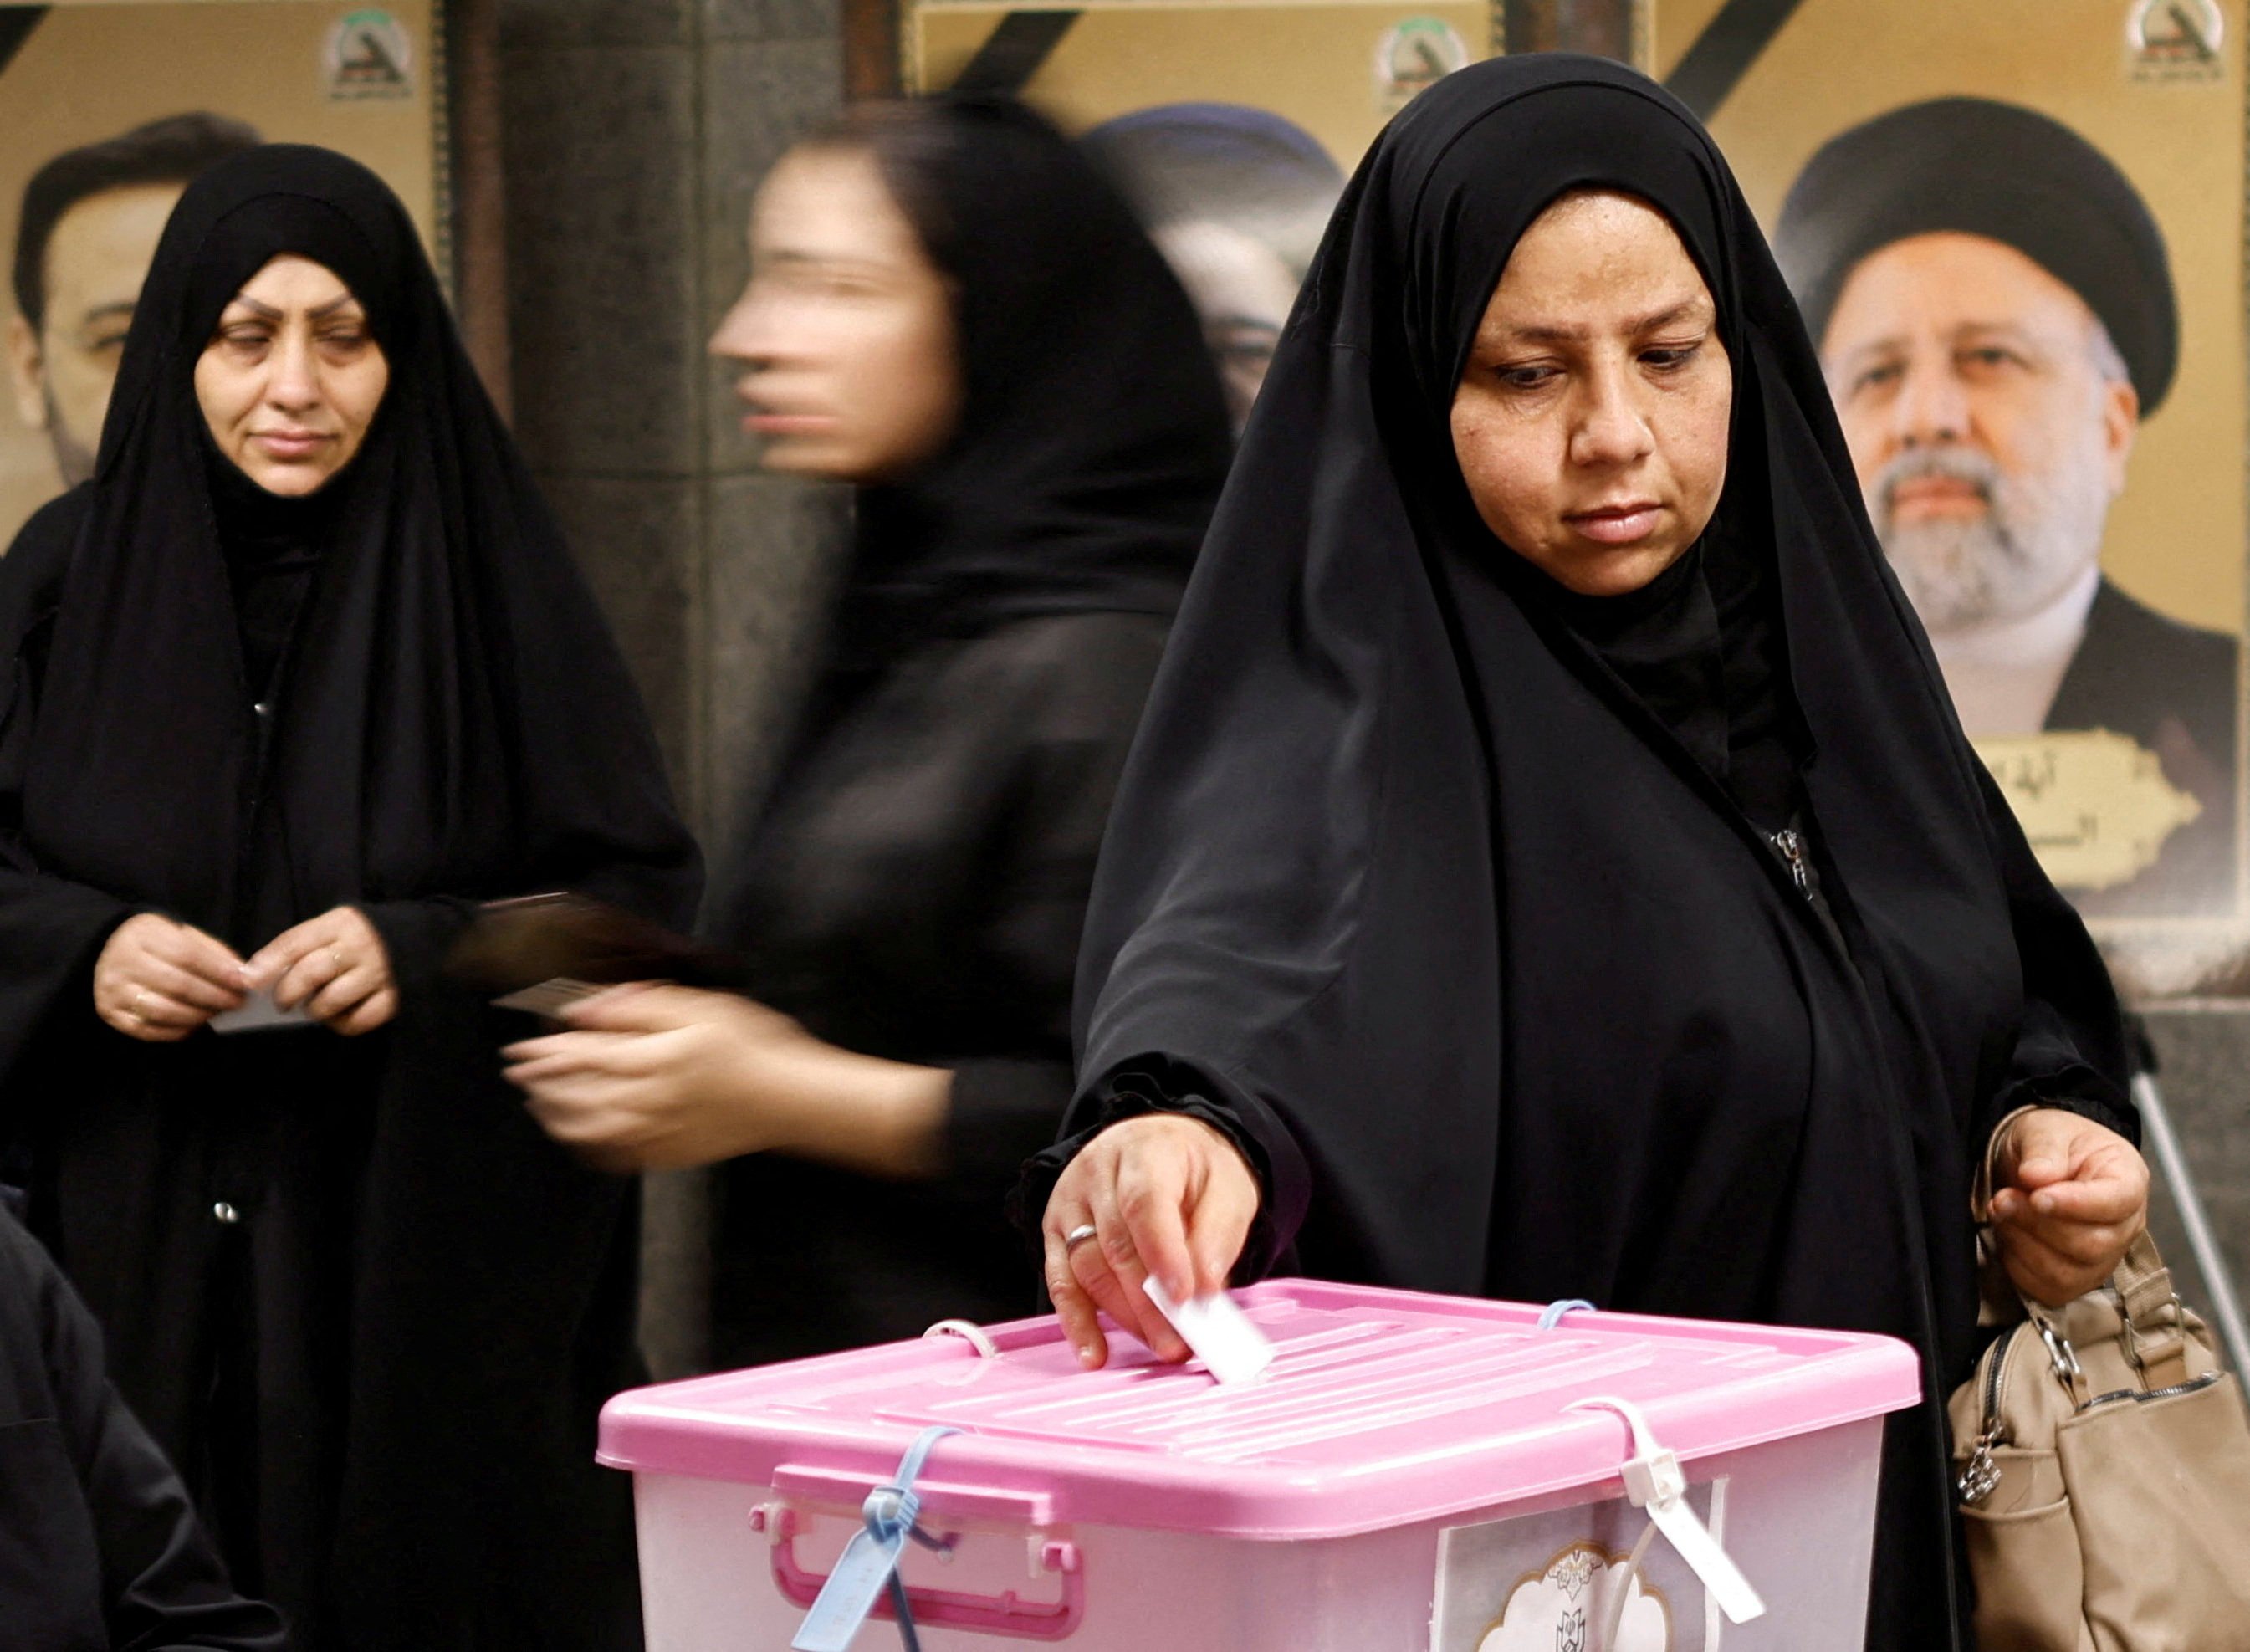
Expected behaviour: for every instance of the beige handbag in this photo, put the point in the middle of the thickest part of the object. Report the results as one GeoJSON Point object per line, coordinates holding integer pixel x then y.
{"type": "Point", "coordinates": [2103, 1466]}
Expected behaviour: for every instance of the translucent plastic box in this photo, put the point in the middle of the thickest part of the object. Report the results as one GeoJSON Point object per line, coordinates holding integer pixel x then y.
{"type": "Point", "coordinates": [1407, 1476]}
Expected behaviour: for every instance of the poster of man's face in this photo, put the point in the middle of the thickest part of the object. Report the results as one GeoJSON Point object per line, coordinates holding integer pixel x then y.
{"type": "Point", "coordinates": [2015, 231]}
{"type": "Point", "coordinates": [1236, 198]}
{"type": "Point", "coordinates": [1230, 126]}
{"type": "Point", "coordinates": [97, 144]}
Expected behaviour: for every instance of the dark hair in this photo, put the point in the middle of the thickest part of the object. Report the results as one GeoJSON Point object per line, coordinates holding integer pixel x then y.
{"type": "Point", "coordinates": [170, 150]}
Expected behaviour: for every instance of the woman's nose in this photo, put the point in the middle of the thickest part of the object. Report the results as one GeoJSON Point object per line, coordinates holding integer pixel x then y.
{"type": "Point", "coordinates": [296, 382]}
{"type": "Point", "coordinates": [1610, 430]}
{"type": "Point", "coordinates": [746, 332]}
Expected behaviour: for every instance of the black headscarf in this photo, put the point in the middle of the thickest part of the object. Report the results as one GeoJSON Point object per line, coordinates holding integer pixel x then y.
{"type": "Point", "coordinates": [1091, 432]}
{"type": "Point", "coordinates": [457, 718]}
{"type": "Point", "coordinates": [2006, 173]}
{"type": "Point", "coordinates": [1494, 976]}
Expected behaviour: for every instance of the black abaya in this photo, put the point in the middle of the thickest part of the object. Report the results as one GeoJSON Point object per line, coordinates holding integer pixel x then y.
{"type": "Point", "coordinates": [354, 1291]}
{"type": "Point", "coordinates": [1432, 894]}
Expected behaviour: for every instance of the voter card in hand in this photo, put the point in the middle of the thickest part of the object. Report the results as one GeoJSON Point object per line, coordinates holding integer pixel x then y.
{"type": "Point", "coordinates": [549, 998]}
{"type": "Point", "coordinates": [1217, 1332]}
{"type": "Point", "coordinates": [259, 1013]}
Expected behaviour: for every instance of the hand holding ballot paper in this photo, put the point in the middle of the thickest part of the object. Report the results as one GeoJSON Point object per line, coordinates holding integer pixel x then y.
{"type": "Point", "coordinates": [158, 980]}
{"type": "Point", "coordinates": [333, 969]}
{"type": "Point", "coordinates": [1164, 1196]}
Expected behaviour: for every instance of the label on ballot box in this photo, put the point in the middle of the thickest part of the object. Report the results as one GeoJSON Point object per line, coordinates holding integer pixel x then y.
{"type": "Point", "coordinates": [1551, 1583]}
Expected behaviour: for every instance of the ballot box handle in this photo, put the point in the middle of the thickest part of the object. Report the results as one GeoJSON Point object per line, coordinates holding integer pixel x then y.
{"type": "Point", "coordinates": [1004, 1614]}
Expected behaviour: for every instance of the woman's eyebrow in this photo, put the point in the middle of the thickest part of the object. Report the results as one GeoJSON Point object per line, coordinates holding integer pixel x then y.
{"type": "Point", "coordinates": [1562, 334]}
{"type": "Point", "coordinates": [816, 259]}
{"type": "Point", "coordinates": [319, 312]}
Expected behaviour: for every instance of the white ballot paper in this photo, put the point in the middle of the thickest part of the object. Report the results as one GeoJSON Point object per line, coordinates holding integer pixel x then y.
{"type": "Point", "coordinates": [1217, 1332]}
{"type": "Point", "coordinates": [259, 1013]}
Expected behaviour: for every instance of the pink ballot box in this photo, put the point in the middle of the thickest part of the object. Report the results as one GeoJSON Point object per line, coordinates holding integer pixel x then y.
{"type": "Point", "coordinates": [1410, 1474]}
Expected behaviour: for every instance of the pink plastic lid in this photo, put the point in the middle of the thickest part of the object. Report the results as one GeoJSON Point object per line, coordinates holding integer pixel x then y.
{"type": "Point", "coordinates": [1381, 1408]}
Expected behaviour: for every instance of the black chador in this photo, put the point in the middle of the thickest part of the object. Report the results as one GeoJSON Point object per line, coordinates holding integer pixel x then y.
{"type": "Point", "coordinates": [1469, 907]}
{"type": "Point", "coordinates": [361, 1300]}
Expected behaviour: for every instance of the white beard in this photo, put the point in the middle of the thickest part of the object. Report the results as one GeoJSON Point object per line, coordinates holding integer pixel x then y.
{"type": "Point", "coordinates": [2032, 544]}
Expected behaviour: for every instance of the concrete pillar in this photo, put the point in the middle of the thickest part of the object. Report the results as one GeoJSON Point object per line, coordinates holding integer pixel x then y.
{"type": "Point", "coordinates": [634, 132]}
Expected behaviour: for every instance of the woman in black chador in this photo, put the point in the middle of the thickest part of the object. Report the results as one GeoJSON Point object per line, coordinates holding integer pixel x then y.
{"type": "Point", "coordinates": [1550, 867]}
{"type": "Point", "coordinates": [303, 674]}
{"type": "Point", "coordinates": [948, 308]}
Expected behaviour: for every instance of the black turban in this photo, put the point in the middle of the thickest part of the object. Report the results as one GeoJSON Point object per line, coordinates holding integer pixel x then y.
{"type": "Point", "coordinates": [1997, 170]}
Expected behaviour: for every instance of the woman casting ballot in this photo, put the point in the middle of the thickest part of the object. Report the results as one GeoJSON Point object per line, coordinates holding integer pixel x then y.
{"type": "Point", "coordinates": [1549, 866]}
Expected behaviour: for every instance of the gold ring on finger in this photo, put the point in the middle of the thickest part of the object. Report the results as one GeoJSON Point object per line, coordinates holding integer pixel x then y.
{"type": "Point", "coordinates": [1079, 1235]}
{"type": "Point", "coordinates": [134, 1009]}
{"type": "Point", "coordinates": [335, 961]}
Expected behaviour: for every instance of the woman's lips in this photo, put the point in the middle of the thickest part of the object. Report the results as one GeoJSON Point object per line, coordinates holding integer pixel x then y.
{"type": "Point", "coordinates": [290, 443]}
{"type": "Point", "coordinates": [1618, 524]}
{"type": "Point", "coordinates": [763, 422]}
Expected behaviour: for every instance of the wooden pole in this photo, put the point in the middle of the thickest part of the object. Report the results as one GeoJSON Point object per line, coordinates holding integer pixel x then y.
{"type": "Point", "coordinates": [1602, 27]}
{"type": "Point", "coordinates": [479, 205]}
{"type": "Point", "coordinates": [870, 49]}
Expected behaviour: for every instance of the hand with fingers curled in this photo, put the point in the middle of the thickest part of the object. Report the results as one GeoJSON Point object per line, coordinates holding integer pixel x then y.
{"type": "Point", "coordinates": [654, 1076]}
{"type": "Point", "coordinates": [157, 981]}
{"type": "Point", "coordinates": [335, 966]}
{"type": "Point", "coordinates": [2069, 1195]}
{"type": "Point", "coordinates": [1162, 1195]}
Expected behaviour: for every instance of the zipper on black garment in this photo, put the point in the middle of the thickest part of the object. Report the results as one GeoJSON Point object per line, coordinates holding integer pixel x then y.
{"type": "Point", "coordinates": [1788, 843]}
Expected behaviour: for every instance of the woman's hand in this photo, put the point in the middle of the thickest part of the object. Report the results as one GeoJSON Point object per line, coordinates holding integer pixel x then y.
{"type": "Point", "coordinates": [665, 1077]}
{"type": "Point", "coordinates": [1165, 1194]}
{"type": "Point", "coordinates": [336, 966]}
{"type": "Point", "coordinates": [2069, 1196]}
{"type": "Point", "coordinates": [158, 981]}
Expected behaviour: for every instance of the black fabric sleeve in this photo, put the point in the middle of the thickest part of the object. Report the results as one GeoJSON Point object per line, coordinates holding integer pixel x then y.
{"type": "Point", "coordinates": [162, 1586]}
{"type": "Point", "coordinates": [417, 935]}
{"type": "Point", "coordinates": [1155, 1084]}
{"type": "Point", "coordinates": [2071, 1051]}
{"type": "Point", "coordinates": [51, 930]}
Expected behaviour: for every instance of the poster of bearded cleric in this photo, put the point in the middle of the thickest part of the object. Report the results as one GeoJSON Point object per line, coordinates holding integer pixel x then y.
{"type": "Point", "coordinates": [2016, 230]}
{"type": "Point", "coordinates": [1230, 126]}
{"type": "Point", "coordinates": [107, 109]}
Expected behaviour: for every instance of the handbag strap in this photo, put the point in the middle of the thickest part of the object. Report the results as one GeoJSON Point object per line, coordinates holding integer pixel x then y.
{"type": "Point", "coordinates": [2155, 1332]}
